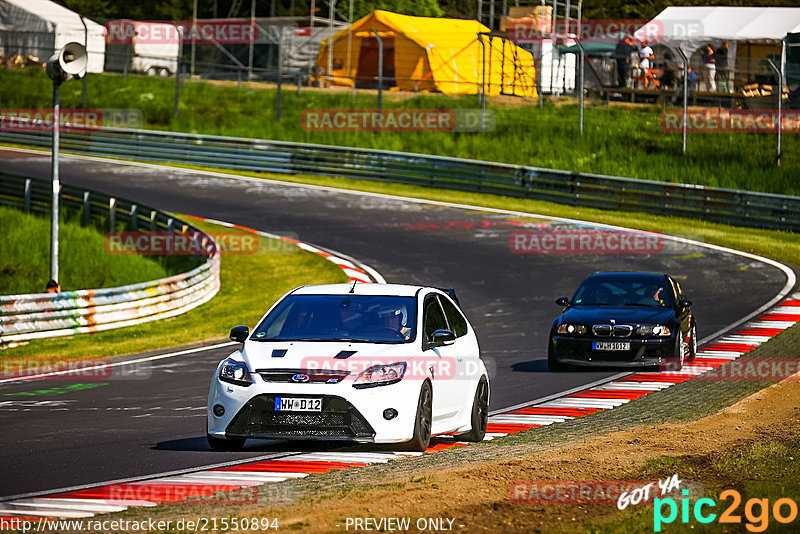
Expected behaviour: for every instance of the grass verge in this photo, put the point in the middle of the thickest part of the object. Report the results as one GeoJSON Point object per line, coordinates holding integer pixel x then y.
{"type": "Point", "coordinates": [622, 141]}
{"type": "Point", "coordinates": [83, 260]}
{"type": "Point", "coordinates": [249, 284]}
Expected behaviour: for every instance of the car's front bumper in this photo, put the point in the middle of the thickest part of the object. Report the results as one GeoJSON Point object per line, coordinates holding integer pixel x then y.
{"type": "Point", "coordinates": [643, 353]}
{"type": "Point", "coordinates": [347, 413]}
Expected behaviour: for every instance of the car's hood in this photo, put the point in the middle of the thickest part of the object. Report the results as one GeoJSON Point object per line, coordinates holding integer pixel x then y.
{"type": "Point", "coordinates": [590, 315]}
{"type": "Point", "coordinates": [324, 354]}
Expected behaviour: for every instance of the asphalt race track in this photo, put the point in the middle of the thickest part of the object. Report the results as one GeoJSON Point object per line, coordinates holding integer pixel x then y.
{"type": "Point", "coordinates": [59, 435]}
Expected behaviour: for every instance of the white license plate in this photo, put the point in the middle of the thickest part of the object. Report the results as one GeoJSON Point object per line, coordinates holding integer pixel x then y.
{"type": "Point", "coordinates": [294, 404]}
{"type": "Point", "coordinates": [611, 345]}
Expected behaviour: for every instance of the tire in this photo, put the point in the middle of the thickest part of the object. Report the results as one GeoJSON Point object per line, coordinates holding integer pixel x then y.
{"type": "Point", "coordinates": [692, 342]}
{"type": "Point", "coordinates": [422, 421]}
{"type": "Point", "coordinates": [480, 413]}
{"type": "Point", "coordinates": [553, 364]}
{"type": "Point", "coordinates": [152, 71]}
{"type": "Point", "coordinates": [163, 72]}
{"type": "Point", "coordinates": [676, 362]}
{"type": "Point", "coordinates": [225, 444]}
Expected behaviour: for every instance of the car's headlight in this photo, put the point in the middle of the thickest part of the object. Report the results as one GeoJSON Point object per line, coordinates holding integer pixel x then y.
{"type": "Point", "coordinates": [568, 328]}
{"type": "Point", "coordinates": [658, 330]}
{"type": "Point", "coordinates": [235, 372]}
{"type": "Point", "coordinates": [380, 375]}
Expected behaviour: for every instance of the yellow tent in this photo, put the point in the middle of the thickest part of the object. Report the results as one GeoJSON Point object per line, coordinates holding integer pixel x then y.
{"type": "Point", "coordinates": [427, 54]}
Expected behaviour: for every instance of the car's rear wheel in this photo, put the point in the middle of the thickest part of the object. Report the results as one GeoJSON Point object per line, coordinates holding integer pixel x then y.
{"type": "Point", "coordinates": [692, 342]}
{"type": "Point", "coordinates": [225, 444]}
{"type": "Point", "coordinates": [480, 413]}
{"type": "Point", "coordinates": [422, 422]}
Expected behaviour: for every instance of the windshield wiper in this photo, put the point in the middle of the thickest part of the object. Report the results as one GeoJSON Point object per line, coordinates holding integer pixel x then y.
{"type": "Point", "coordinates": [640, 304]}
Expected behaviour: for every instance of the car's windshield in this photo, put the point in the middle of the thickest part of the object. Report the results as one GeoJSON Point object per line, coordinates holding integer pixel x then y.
{"type": "Point", "coordinates": [364, 318]}
{"type": "Point", "coordinates": [623, 292]}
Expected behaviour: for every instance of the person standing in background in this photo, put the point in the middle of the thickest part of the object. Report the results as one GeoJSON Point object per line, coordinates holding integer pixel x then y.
{"type": "Point", "coordinates": [622, 53]}
{"type": "Point", "coordinates": [709, 68]}
{"type": "Point", "coordinates": [721, 64]}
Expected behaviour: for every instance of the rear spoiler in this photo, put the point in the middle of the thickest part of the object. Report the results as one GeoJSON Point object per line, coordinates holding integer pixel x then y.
{"type": "Point", "coordinates": [450, 293]}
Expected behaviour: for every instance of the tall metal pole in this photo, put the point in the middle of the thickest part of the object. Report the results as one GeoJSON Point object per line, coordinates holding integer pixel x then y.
{"type": "Point", "coordinates": [349, 45]}
{"type": "Point", "coordinates": [331, 13]}
{"type": "Point", "coordinates": [86, 46]}
{"type": "Point", "coordinates": [685, 122]}
{"type": "Point", "coordinates": [194, 35]}
{"type": "Point", "coordinates": [55, 183]}
{"type": "Point", "coordinates": [483, 81]}
{"type": "Point", "coordinates": [380, 70]}
{"type": "Point", "coordinates": [280, 77]}
{"type": "Point", "coordinates": [178, 68]}
{"type": "Point", "coordinates": [480, 10]}
{"type": "Point", "coordinates": [580, 88]}
{"type": "Point", "coordinates": [779, 72]}
{"type": "Point", "coordinates": [252, 44]}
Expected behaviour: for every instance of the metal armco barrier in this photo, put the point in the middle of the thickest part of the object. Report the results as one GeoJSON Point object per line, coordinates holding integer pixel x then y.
{"type": "Point", "coordinates": [740, 208]}
{"type": "Point", "coordinates": [42, 315]}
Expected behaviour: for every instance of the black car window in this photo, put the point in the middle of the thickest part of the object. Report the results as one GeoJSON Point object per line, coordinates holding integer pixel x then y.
{"type": "Point", "coordinates": [458, 324]}
{"type": "Point", "coordinates": [433, 317]}
{"type": "Point", "coordinates": [647, 292]}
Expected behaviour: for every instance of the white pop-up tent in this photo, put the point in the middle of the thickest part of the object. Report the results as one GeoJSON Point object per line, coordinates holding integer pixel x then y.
{"type": "Point", "coordinates": [40, 27]}
{"type": "Point", "coordinates": [753, 33]}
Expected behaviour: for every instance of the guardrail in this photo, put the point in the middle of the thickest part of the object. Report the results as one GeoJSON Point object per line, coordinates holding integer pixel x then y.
{"type": "Point", "coordinates": [41, 315]}
{"type": "Point", "coordinates": [741, 208]}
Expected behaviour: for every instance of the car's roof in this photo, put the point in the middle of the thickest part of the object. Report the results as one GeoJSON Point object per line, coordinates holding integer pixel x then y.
{"type": "Point", "coordinates": [625, 274]}
{"type": "Point", "coordinates": [398, 290]}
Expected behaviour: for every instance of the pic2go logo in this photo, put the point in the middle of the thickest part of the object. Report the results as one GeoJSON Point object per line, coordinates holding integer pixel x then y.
{"type": "Point", "coordinates": [756, 511]}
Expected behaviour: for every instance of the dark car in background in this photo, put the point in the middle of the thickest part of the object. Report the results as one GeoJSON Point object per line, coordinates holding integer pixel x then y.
{"type": "Point", "coordinates": [626, 320]}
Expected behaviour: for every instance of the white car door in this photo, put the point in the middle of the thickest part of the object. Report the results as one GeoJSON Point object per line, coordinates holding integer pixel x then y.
{"type": "Point", "coordinates": [446, 399]}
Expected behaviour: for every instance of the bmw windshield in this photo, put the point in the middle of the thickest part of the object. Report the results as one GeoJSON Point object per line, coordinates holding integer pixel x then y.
{"type": "Point", "coordinates": [650, 293]}
{"type": "Point", "coordinates": [357, 318]}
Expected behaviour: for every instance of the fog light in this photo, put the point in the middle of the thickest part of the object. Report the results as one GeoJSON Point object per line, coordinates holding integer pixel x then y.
{"type": "Point", "coordinates": [219, 410]}
{"type": "Point", "coordinates": [389, 414]}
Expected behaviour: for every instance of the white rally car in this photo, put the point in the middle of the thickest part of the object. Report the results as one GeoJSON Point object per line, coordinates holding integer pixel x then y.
{"type": "Point", "coordinates": [379, 363]}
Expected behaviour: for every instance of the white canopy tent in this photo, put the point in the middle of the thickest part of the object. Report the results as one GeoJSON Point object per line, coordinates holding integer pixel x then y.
{"type": "Point", "coordinates": [753, 33]}
{"type": "Point", "coordinates": [40, 27]}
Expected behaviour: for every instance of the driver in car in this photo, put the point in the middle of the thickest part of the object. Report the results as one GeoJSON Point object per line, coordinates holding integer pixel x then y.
{"type": "Point", "coordinates": [396, 320]}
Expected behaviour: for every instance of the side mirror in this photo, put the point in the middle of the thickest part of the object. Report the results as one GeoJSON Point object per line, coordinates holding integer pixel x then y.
{"type": "Point", "coordinates": [239, 333]}
{"type": "Point", "coordinates": [685, 304]}
{"type": "Point", "coordinates": [562, 301]}
{"type": "Point", "coordinates": [442, 337]}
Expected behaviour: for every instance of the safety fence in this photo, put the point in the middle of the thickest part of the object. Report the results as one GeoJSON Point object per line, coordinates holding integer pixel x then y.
{"type": "Point", "coordinates": [734, 207]}
{"type": "Point", "coordinates": [44, 315]}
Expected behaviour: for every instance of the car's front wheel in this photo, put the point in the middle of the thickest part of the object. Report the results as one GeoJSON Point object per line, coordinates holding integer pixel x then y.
{"type": "Point", "coordinates": [423, 421]}
{"type": "Point", "coordinates": [225, 444]}
{"type": "Point", "coordinates": [553, 364]}
{"type": "Point", "coordinates": [480, 413]}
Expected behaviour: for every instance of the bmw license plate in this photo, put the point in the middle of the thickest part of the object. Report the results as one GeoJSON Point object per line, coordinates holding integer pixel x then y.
{"type": "Point", "coordinates": [295, 404]}
{"type": "Point", "coordinates": [611, 345]}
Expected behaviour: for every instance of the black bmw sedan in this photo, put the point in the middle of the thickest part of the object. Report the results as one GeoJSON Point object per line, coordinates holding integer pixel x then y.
{"type": "Point", "coordinates": [628, 320]}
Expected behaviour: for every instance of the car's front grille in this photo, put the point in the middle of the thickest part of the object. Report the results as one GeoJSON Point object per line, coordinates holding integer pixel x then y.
{"type": "Point", "coordinates": [338, 419]}
{"type": "Point", "coordinates": [315, 376]}
{"type": "Point", "coordinates": [607, 330]}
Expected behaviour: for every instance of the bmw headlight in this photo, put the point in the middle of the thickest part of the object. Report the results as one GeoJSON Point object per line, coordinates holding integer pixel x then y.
{"type": "Point", "coordinates": [568, 328]}
{"type": "Point", "coordinates": [380, 375]}
{"type": "Point", "coordinates": [235, 372]}
{"type": "Point", "coordinates": [656, 330]}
